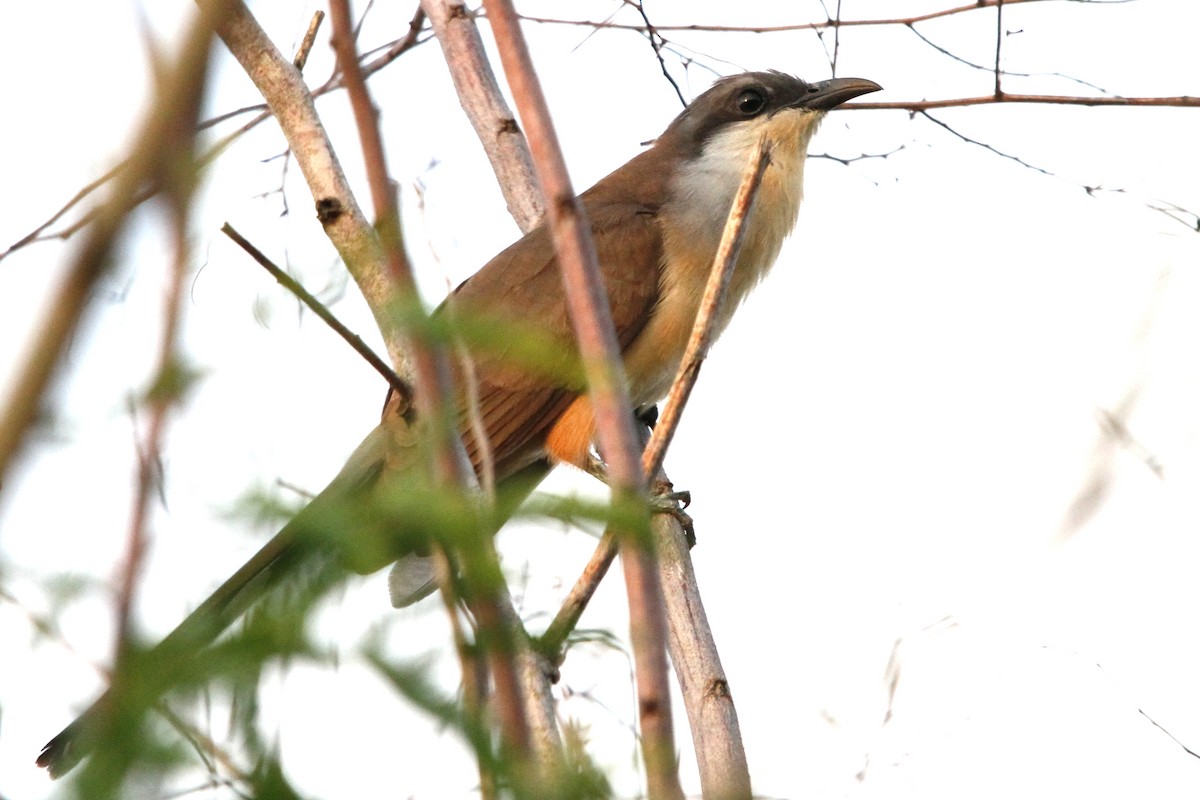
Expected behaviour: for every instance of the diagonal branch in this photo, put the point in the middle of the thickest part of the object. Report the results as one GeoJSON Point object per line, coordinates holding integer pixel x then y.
{"type": "Point", "coordinates": [986, 146]}
{"type": "Point", "coordinates": [261, 111]}
{"type": "Point", "coordinates": [702, 333]}
{"type": "Point", "coordinates": [716, 736]}
{"type": "Point", "coordinates": [485, 107]}
{"type": "Point", "coordinates": [657, 42]}
{"type": "Point", "coordinates": [397, 383]}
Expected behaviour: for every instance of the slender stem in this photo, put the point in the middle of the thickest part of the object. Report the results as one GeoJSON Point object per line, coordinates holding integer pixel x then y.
{"type": "Point", "coordinates": [997, 91]}
{"type": "Point", "coordinates": [1178, 101]}
{"type": "Point", "coordinates": [685, 378]}
{"type": "Point", "coordinates": [432, 373]}
{"type": "Point", "coordinates": [317, 307]}
{"type": "Point", "coordinates": [609, 394]}
{"type": "Point", "coordinates": [172, 119]}
{"type": "Point", "coordinates": [804, 26]}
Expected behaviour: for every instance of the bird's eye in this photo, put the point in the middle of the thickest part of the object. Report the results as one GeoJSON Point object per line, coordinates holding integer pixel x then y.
{"type": "Point", "coordinates": [750, 102]}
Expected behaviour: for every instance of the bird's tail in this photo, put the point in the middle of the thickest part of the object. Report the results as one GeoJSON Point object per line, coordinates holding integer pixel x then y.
{"type": "Point", "coordinates": [317, 536]}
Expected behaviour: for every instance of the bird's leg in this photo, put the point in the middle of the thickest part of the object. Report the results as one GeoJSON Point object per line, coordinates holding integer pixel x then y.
{"type": "Point", "coordinates": [663, 497]}
{"type": "Point", "coordinates": [665, 500]}
{"type": "Point", "coordinates": [647, 415]}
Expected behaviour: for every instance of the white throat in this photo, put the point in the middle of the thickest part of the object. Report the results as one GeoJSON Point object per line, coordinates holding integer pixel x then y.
{"type": "Point", "coordinates": [693, 220]}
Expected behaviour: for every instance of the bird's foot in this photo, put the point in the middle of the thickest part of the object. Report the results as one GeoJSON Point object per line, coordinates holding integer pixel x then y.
{"type": "Point", "coordinates": [665, 500]}
{"type": "Point", "coordinates": [663, 497]}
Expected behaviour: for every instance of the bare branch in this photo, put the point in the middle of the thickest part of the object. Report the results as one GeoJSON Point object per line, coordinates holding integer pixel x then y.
{"type": "Point", "coordinates": [704, 329]}
{"type": "Point", "coordinates": [1189, 219]}
{"type": "Point", "coordinates": [1179, 101]}
{"type": "Point", "coordinates": [343, 221]}
{"type": "Point", "coordinates": [986, 146]}
{"type": "Point", "coordinates": [432, 373]}
{"type": "Point", "coordinates": [170, 381]}
{"type": "Point", "coordinates": [999, 42]}
{"type": "Point", "coordinates": [310, 36]}
{"type": "Point", "coordinates": [805, 26]}
{"type": "Point", "coordinates": [508, 151]}
{"type": "Point", "coordinates": [698, 343]}
{"type": "Point", "coordinates": [262, 113]}
{"type": "Point", "coordinates": [656, 44]}
{"type": "Point", "coordinates": [609, 395]}
{"type": "Point", "coordinates": [848, 160]}
{"type": "Point", "coordinates": [38, 234]}
{"type": "Point", "coordinates": [485, 107]}
{"type": "Point", "coordinates": [1004, 72]}
{"type": "Point", "coordinates": [317, 307]}
{"type": "Point", "coordinates": [471, 665]}
{"type": "Point", "coordinates": [1177, 213]}
{"type": "Point", "coordinates": [1169, 735]}
{"type": "Point", "coordinates": [150, 164]}
{"type": "Point", "coordinates": [715, 731]}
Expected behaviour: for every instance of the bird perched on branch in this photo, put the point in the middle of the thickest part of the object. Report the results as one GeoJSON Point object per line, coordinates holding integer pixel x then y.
{"type": "Point", "coordinates": [656, 223]}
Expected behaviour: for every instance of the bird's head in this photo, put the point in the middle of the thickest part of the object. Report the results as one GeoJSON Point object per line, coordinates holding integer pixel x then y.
{"type": "Point", "coordinates": [736, 111]}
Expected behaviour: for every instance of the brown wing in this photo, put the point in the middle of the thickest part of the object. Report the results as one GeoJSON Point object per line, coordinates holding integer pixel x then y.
{"type": "Point", "coordinates": [518, 295]}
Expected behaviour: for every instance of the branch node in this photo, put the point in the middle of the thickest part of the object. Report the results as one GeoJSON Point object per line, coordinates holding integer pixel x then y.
{"type": "Point", "coordinates": [329, 210]}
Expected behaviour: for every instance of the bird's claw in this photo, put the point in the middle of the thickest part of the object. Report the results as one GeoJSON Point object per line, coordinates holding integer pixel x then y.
{"type": "Point", "coordinates": [665, 500]}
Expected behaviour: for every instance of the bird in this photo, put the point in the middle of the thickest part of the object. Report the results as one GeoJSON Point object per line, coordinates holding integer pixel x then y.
{"type": "Point", "coordinates": [656, 222]}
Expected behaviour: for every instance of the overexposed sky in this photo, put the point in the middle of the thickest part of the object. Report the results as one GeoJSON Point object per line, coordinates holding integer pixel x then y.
{"type": "Point", "coordinates": [883, 450]}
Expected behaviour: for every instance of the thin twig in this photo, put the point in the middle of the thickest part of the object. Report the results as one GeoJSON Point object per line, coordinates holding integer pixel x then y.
{"type": "Point", "coordinates": [999, 42]}
{"type": "Point", "coordinates": [656, 44]}
{"type": "Point", "coordinates": [205, 747]}
{"type": "Point", "coordinates": [804, 26]}
{"type": "Point", "coordinates": [36, 234]}
{"type": "Point", "coordinates": [1186, 218]}
{"type": "Point", "coordinates": [164, 394]}
{"type": "Point", "coordinates": [291, 102]}
{"type": "Point", "coordinates": [835, 22]}
{"type": "Point", "coordinates": [848, 160]}
{"type": "Point", "coordinates": [1090, 189]}
{"type": "Point", "coordinates": [609, 396]}
{"type": "Point", "coordinates": [149, 163]}
{"type": "Point", "coordinates": [554, 639]}
{"type": "Point", "coordinates": [487, 110]}
{"type": "Point", "coordinates": [262, 113]}
{"type": "Point", "coordinates": [370, 66]}
{"type": "Point", "coordinates": [471, 666]}
{"type": "Point", "coordinates": [1170, 735]}
{"type": "Point", "coordinates": [432, 372]}
{"type": "Point", "coordinates": [508, 152]}
{"type": "Point", "coordinates": [685, 378]}
{"type": "Point", "coordinates": [986, 146]}
{"type": "Point", "coordinates": [1178, 101]}
{"type": "Point", "coordinates": [715, 291]}
{"type": "Point", "coordinates": [1004, 72]}
{"type": "Point", "coordinates": [310, 36]}
{"type": "Point", "coordinates": [317, 307]}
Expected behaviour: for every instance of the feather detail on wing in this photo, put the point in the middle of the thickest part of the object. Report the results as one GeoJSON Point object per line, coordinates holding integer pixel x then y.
{"type": "Point", "coordinates": [521, 290]}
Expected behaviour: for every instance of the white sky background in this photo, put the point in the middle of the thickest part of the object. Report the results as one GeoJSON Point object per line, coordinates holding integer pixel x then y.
{"type": "Point", "coordinates": [884, 446]}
